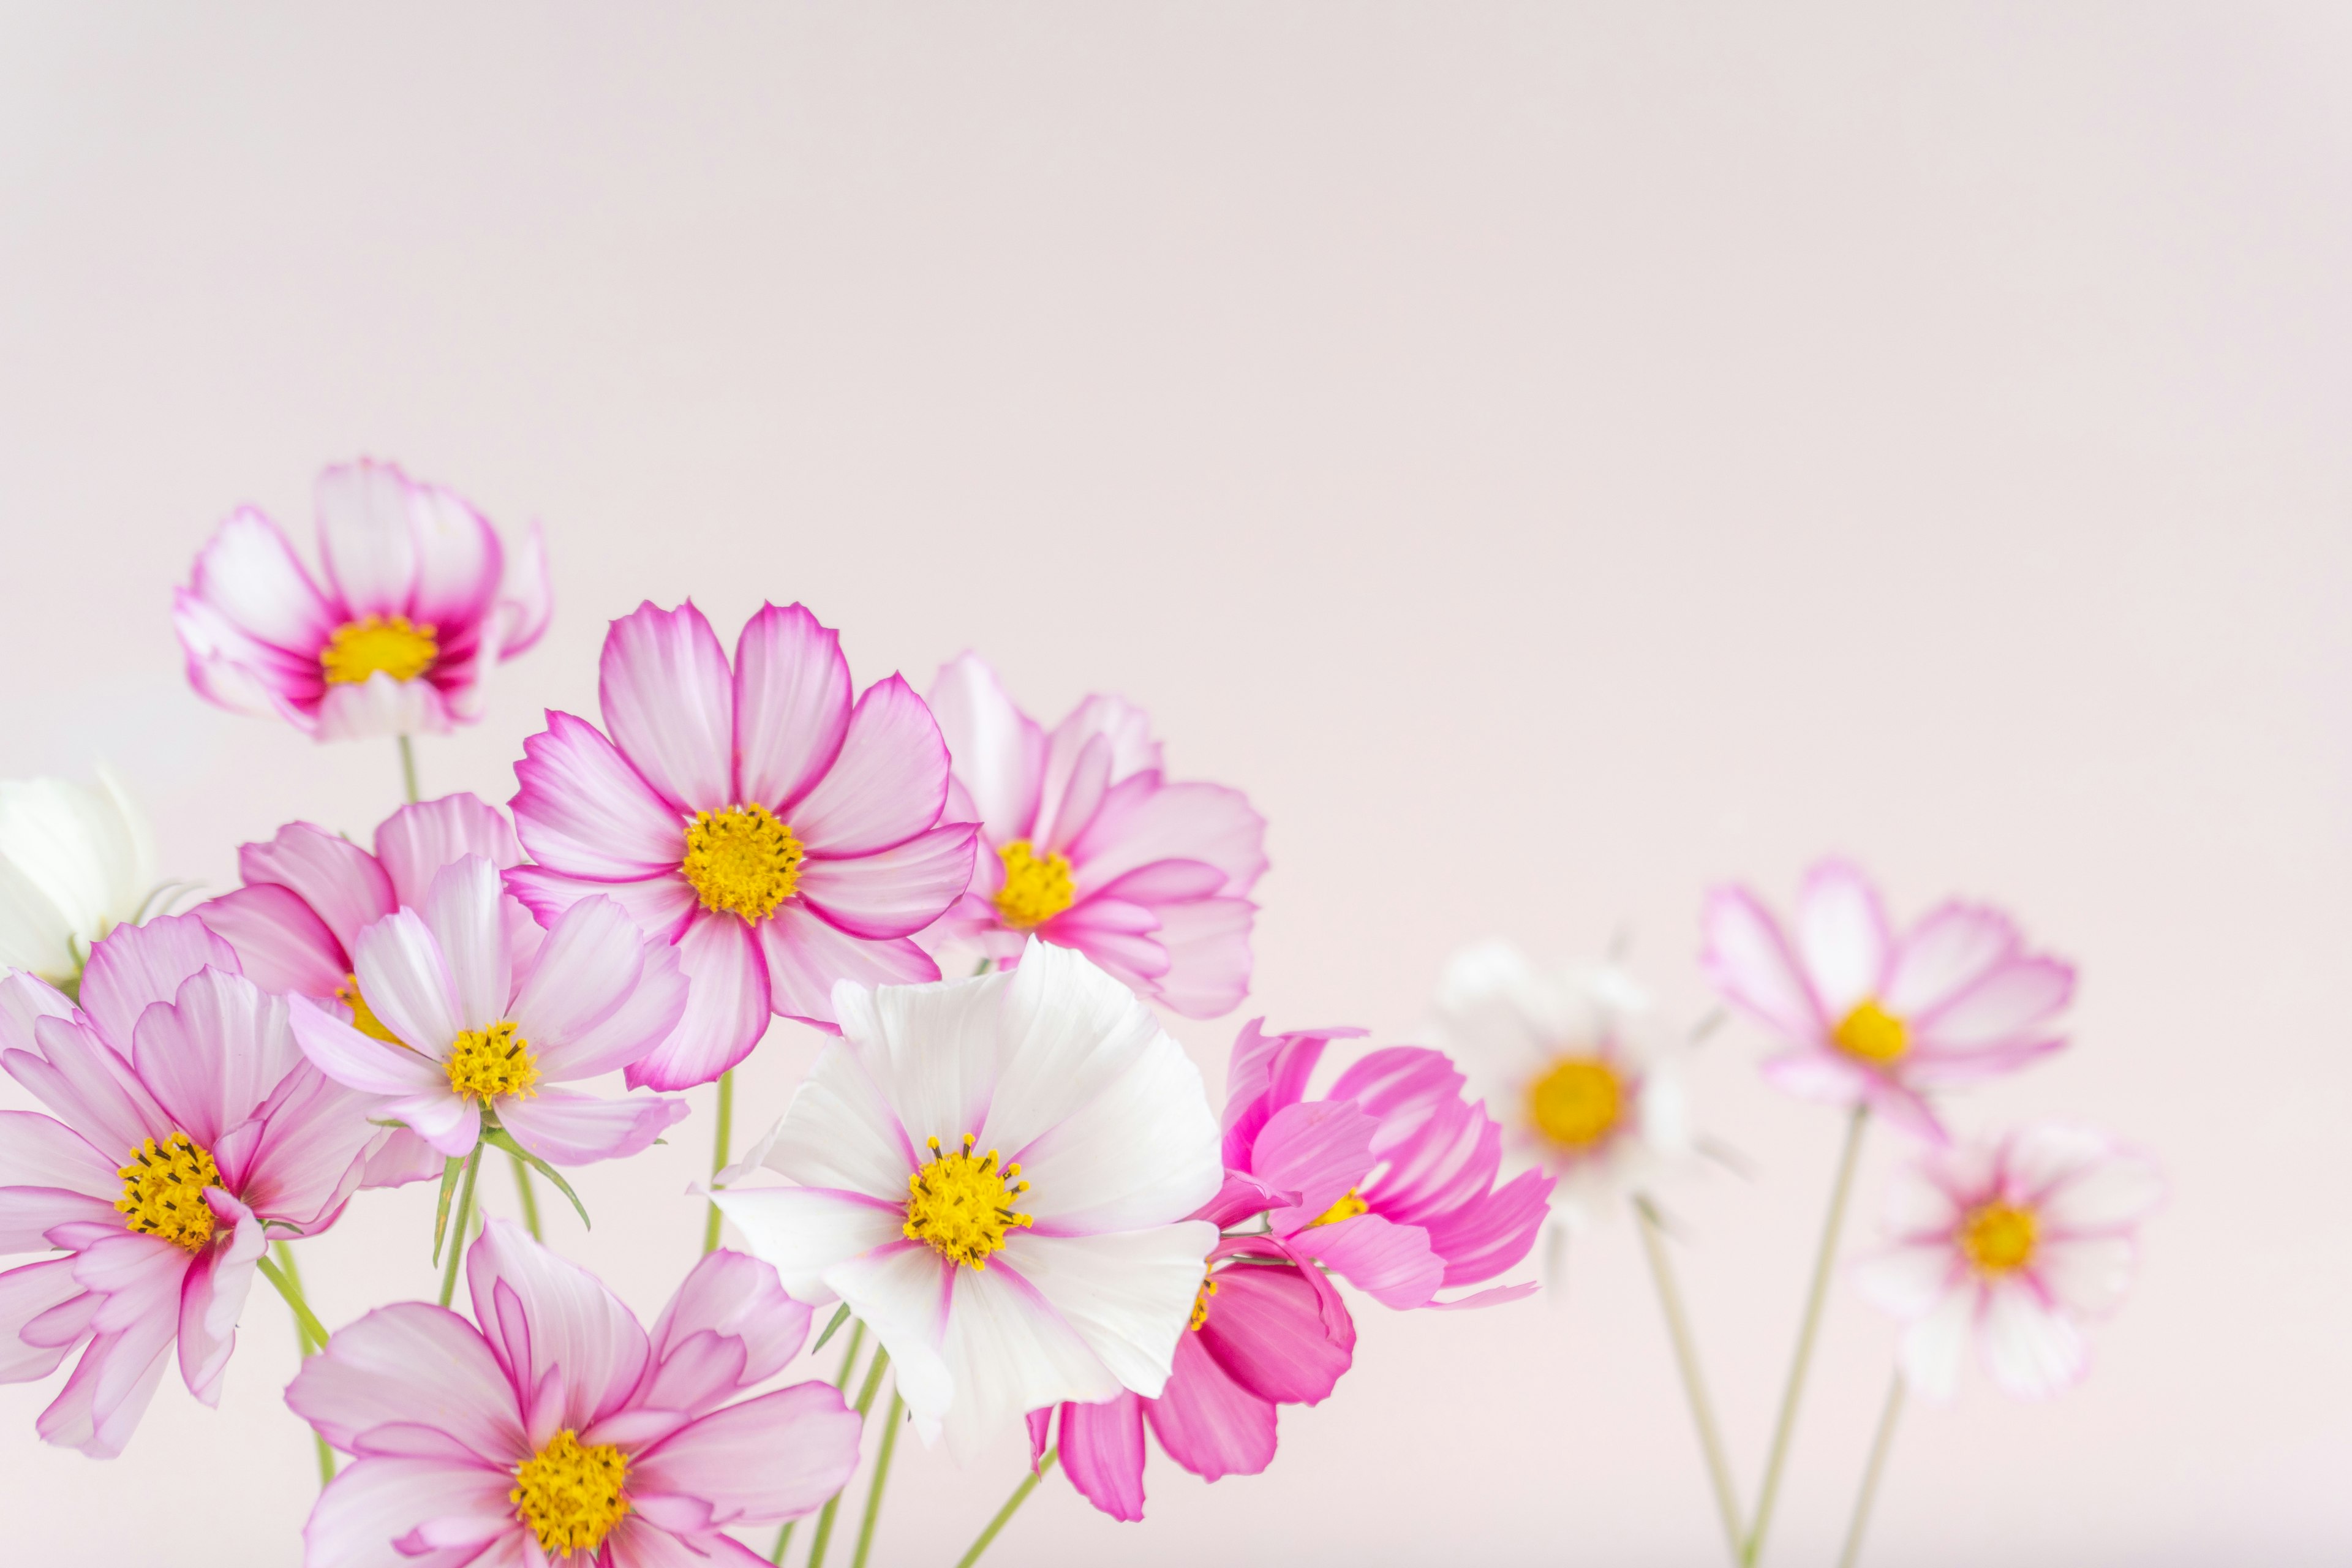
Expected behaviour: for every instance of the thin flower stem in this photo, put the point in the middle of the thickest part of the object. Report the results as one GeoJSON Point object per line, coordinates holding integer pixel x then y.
{"type": "Point", "coordinates": [312, 1335]}
{"type": "Point", "coordinates": [408, 768]}
{"type": "Point", "coordinates": [1869, 1493]}
{"type": "Point", "coordinates": [1826, 1260]}
{"type": "Point", "coordinates": [1012, 1505]}
{"type": "Point", "coordinates": [881, 1474]}
{"type": "Point", "coordinates": [841, 1380]}
{"type": "Point", "coordinates": [455, 1241]}
{"type": "Point", "coordinates": [1710, 1437]}
{"type": "Point", "coordinates": [833, 1504]}
{"type": "Point", "coordinates": [719, 1152]}
{"type": "Point", "coordinates": [529, 1198]}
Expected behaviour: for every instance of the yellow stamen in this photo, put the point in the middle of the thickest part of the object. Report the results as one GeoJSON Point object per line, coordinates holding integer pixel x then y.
{"type": "Point", "coordinates": [363, 1016]}
{"type": "Point", "coordinates": [1034, 890]}
{"type": "Point", "coordinates": [742, 859]}
{"type": "Point", "coordinates": [1201, 1302]}
{"type": "Point", "coordinates": [1347, 1208]}
{"type": "Point", "coordinates": [1578, 1102]}
{"type": "Point", "coordinates": [485, 1064]}
{"type": "Point", "coordinates": [1871, 1033]}
{"type": "Point", "coordinates": [360, 649]}
{"type": "Point", "coordinates": [961, 1205]}
{"type": "Point", "coordinates": [164, 1191]}
{"type": "Point", "coordinates": [571, 1496]}
{"type": "Point", "coordinates": [1998, 1238]}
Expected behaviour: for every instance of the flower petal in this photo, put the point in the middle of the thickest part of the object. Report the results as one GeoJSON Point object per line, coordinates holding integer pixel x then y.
{"type": "Point", "coordinates": [1842, 932]}
{"type": "Point", "coordinates": [458, 561]}
{"type": "Point", "coordinates": [563, 1128]}
{"type": "Point", "coordinates": [138, 965]}
{"type": "Point", "coordinates": [1272, 1332]}
{"type": "Point", "coordinates": [464, 912]}
{"type": "Point", "coordinates": [541, 1313]}
{"type": "Point", "coordinates": [808, 955]}
{"type": "Point", "coordinates": [2033, 1351]}
{"type": "Point", "coordinates": [896, 891]}
{"type": "Point", "coordinates": [365, 534]}
{"type": "Point", "coordinates": [1129, 1295]}
{"type": "Point", "coordinates": [212, 1297]}
{"type": "Point", "coordinates": [999, 752]}
{"type": "Point", "coordinates": [413, 843]}
{"type": "Point", "coordinates": [776, 1457]}
{"type": "Point", "coordinates": [1208, 1422]}
{"type": "Point", "coordinates": [406, 981]}
{"type": "Point", "coordinates": [792, 704]}
{"type": "Point", "coordinates": [803, 1232]}
{"type": "Point", "coordinates": [365, 1063]}
{"type": "Point", "coordinates": [216, 1053]}
{"type": "Point", "coordinates": [726, 1007]}
{"type": "Point", "coordinates": [378, 1501]}
{"type": "Point", "coordinates": [737, 1298]}
{"type": "Point", "coordinates": [249, 574]}
{"type": "Point", "coordinates": [1393, 1264]}
{"type": "Point", "coordinates": [587, 970]}
{"type": "Point", "coordinates": [583, 811]}
{"type": "Point", "coordinates": [1950, 950]}
{"type": "Point", "coordinates": [1141, 821]}
{"type": "Point", "coordinates": [1102, 1453]}
{"type": "Point", "coordinates": [1934, 1347]}
{"type": "Point", "coordinates": [1747, 959]}
{"type": "Point", "coordinates": [281, 943]}
{"type": "Point", "coordinates": [888, 783]}
{"type": "Point", "coordinates": [660, 905]}
{"type": "Point", "coordinates": [2008, 1005]}
{"type": "Point", "coordinates": [669, 704]}
{"type": "Point", "coordinates": [840, 1130]}
{"type": "Point", "coordinates": [339, 880]}
{"type": "Point", "coordinates": [1208, 948]}
{"type": "Point", "coordinates": [1008, 1351]}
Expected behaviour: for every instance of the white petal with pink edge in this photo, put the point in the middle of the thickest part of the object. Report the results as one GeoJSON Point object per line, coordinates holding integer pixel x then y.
{"type": "Point", "coordinates": [1841, 931]}
{"type": "Point", "coordinates": [583, 811]}
{"type": "Point", "coordinates": [792, 704]}
{"type": "Point", "coordinates": [669, 704]}
{"type": "Point", "coordinates": [999, 752]}
{"type": "Point", "coordinates": [887, 784]}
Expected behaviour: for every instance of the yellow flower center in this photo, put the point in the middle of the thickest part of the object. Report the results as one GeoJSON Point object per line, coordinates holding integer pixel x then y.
{"type": "Point", "coordinates": [1034, 890]}
{"type": "Point", "coordinates": [742, 859]}
{"type": "Point", "coordinates": [1998, 1238]}
{"type": "Point", "coordinates": [164, 1191]}
{"type": "Point", "coordinates": [571, 1496]}
{"type": "Point", "coordinates": [1201, 1302]}
{"type": "Point", "coordinates": [1871, 1033]}
{"type": "Point", "coordinates": [961, 1206]}
{"type": "Point", "coordinates": [485, 1064]}
{"type": "Point", "coordinates": [1347, 1208]}
{"type": "Point", "coordinates": [1577, 1103]}
{"type": "Point", "coordinates": [363, 1016]}
{"type": "Point", "coordinates": [359, 649]}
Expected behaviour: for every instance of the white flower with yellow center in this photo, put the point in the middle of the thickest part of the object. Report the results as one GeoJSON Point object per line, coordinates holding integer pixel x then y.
{"type": "Point", "coordinates": [994, 1174]}
{"type": "Point", "coordinates": [75, 862]}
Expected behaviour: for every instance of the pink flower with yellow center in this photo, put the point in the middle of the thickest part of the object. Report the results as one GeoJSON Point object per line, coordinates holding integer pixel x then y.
{"type": "Point", "coordinates": [1877, 1017]}
{"type": "Point", "coordinates": [418, 602]}
{"type": "Point", "coordinates": [1084, 843]}
{"type": "Point", "coordinates": [2014, 1244]}
{"type": "Point", "coordinates": [782, 838]}
{"type": "Point", "coordinates": [554, 1428]}
{"type": "Point", "coordinates": [183, 1128]}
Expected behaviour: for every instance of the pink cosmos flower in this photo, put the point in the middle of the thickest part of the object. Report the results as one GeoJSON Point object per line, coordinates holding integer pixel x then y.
{"type": "Point", "coordinates": [1088, 846]}
{"type": "Point", "coordinates": [467, 1036]}
{"type": "Point", "coordinates": [1877, 1018]}
{"type": "Point", "coordinates": [184, 1121]}
{"type": "Point", "coordinates": [781, 838]}
{"type": "Point", "coordinates": [1267, 1331]}
{"type": "Point", "coordinates": [560, 1430]}
{"type": "Point", "coordinates": [418, 604]}
{"type": "Point", "coordinates": [1389, 1180]}
{"type": "Point", "coordinates": [2014, 1245]}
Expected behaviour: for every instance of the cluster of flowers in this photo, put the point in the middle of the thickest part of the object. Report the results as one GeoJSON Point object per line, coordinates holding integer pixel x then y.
{"type": "Point", "coordinates": [1012, 1183]}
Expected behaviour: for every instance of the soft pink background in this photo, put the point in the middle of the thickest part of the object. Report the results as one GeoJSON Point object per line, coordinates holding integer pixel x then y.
{"type": "Point", "coordinates": [1552, 458]}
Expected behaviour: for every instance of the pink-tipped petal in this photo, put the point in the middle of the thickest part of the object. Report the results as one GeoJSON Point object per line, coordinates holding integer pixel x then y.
{"type": "Point", "coordinates": [567, 1128]}
{"type": "Point", "coordinates": [887, 784]}
{"type": "Point", "coordinates": [44, 1292]}
{"type": "Point", "coordinates": [1950, 950]}
{"type": "Point", "coordinates": [526, 598]}
{"type": "Point", "coordinates": [726, 1009]}
{"type": "Point", "coordinates": [1749, 959]}
{"type": "Point", "coordinates": [380, 1501]}
{"type": "Point", "coordinates": [409, 1363]}
{"type": "Point", "coordinates": [281, 943]}
{"type": "Point", "coordinates": [407, 983]}
{"type": "Point", "coordinates": [669, 704]}
{"type": "Point", "coordinates": [1208, 1422]}
{"type": "Point", "coordinates": [808, 955]}
{"type": "Point", "coordinates": [339, 880]}
{"type": "Point", "coordinates": [38, 1152]}
{"type": "Point", "coordinates": [216, 1053]}
{"type": "Point", "coordinates": [212, 1295]}
{"type": "Point", "coordinates": [90, 1088]}
{"type": "Point", "coordinates": [660, 905]}
{"type": "Point", "coordinates": [792, 704]}
{"type": "Point", "coordinates": [1102, 1452]}
{"type": "Point", "coordinates": [1842, 930]}
{"type": "Point", "coordinates": [999, 752]}
{"type": "Point", "coordinates": [251, 575]}
{"type": "Point", "coordinates": [458, 561]}
{"type": "Point", "coordinates": [583, 811]}
{"type": "Point", "coordinates": [568, 1319]}
{"type": "Point", "coordinates": [893, 892]}
{"type": "Point", "coordinates": [1393, 1264]}
{"type": "Point", "coordinates": [774, 1457]}
{"type": "Point", "coordinates": [413, 843]}
{"type": "Point", "coordinates": [365, 1063]}
{"type": "Point", "coordinates": [738, 1300]}
{"type": "Point", "coordinates": [136, 966]}
{"type": "Point", "coordinates": [1818, 1075]}
{"type": "Point", "coordinates": [2014, 1002]}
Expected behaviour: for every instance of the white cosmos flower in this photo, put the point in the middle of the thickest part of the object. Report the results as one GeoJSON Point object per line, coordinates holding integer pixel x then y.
{"type": "Point", "coordinates": [995, 1173]}
{"type": "Point", "coordinates": [1571, 1065]}
{"type": "Point", "coordinates": [75, 862]}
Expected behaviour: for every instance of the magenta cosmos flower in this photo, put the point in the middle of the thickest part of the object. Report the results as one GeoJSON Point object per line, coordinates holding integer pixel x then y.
{"type": "Point", "coordinates": [2015, 1245]}
{"type": "Point", "coordinates": [560, 1430]}
{"type": "Point", "coordinates": [1088, 846]}
{"type": "Point", "coordinates": [1876, 1018]}
{"type": "Point", "coordinates": [1389, 1180]}
{"type": "Point", "coordinates": [782, 838]}
{"type": "Point", "coordinates": [466, 1036]}
{"type": "Point", "coordinates": [184, 1121]}
{"type": "Point", "coordinates": [419, 603]}
{"type": "Point", "coordinates": [1266, 1331]}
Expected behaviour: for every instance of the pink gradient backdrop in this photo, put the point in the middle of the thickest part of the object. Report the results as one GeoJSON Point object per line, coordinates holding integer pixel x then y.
{"type": "Point", "coordinates": [1552, 458]}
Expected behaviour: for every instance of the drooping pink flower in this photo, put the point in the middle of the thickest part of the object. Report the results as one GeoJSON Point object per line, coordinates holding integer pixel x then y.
{"type": "Point", "coordinates": [559, 1430]}
{"type": "Point", "coordinates": [782, 838]}
{"type": "Point", "coordinates": [1087, 846]}
{"type": "Point", "coordinates": [419, 603]}
{"type": "Point", "coordinates": [1387, 1180]}
{"type": "Point", "coordinates": [2014, 1245]}
{"type": "Point", "coordinates": [183, 1120]}
{"type": "Point", "coordinates": [1267, 1331]}
{"type": "Point", "coordinates": [1876, 1018]}
{"type": "Point", "coordinates": [466, 1036]}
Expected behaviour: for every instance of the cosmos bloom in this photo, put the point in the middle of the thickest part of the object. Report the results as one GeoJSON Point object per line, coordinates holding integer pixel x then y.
{"type": "Point", "coordinates": [1087, 846]}
{"type": "Point", "coordinates": [995, 1173]}
{"type": "Point", "coordinates": [419, 603]}
{"type": "Point", "coordinates": [2014, 1244]}
{"type": "Point", "coordinates": [183, 1120]}
{"type": "Point", "coordinates": [1387, 1180]}
{"type": "Point", "coordinates": [1876, 1018]}
{"type": "Point", "coordinates": [559, 1430]}
{"type": "Point", "coordinates": [1568, 1063]}
{"type": "Point", "coordinates": [75, 862]}
{"type": "Point", "coordinates": [782, 838]}
{"type": "Point", "coordinates": [464, 1034]}
{"type": "Point", "coordinates": [1266, 1331]}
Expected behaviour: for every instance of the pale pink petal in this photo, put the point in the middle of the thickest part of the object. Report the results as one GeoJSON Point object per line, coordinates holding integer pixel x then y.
{"type": "Point", "coordinates": [638, 1542]}
{"type": "Point", "coordinates": [212, 1295]}
{"type": "Point", "coordinates": [310, 1153]}
{"type": "Point", "coordinates": [1954, 1067]}
{"type": "Point", "coordinates": [458, 562]}
{"type": "Point", "coordinates": [1141, 821]}
{"type": "Point", "coordinates": [669, 705]}
{"type": "Point", "coordinates": [111, 1387]}
{"type": "Point", "coordinates": [37, 1293]}
{"type": "Point", "coordinates": [999, 752]}
{"type": "Point", "coordinates": [1842, 932]}
{"type": "Point", "coordinates": [339, 880]}
{"type": "Point", "coordinates": [407, 983]}
{"type": "Point", "coordinates": [1128, 1295]}
{"type": "Point", "coordinates": [887, 784]}
{"type": "Point", "coordinates": [2116, 1189]}
{"type": "Point", "coordinates": [792, 704]}
{"type": "Point", "coordinates": [567, 1128]}
{"type": "Point", "coordinates": [213, 1056]}
{"type": "Point", "coordinates": [1906, 1111]}
{"type": "Point", "coordinates": [465, 911]}
{"type": "Point", "coordinates": [91, 1089]}
{"type": "Point", "coordinates": [377, 1501]}
{"type": "Point", "coordinates": [1102, 1452]}
{"type": "Point", "coordinates": [1320, 1150]}
{"type": "Point", "coordinates": [803, 1232]}
{"type": "Point", "coordinates": [415, 842]}
{"type": "Point", "coordinates": [1393, 1264]}
{"type": "Point", "coordinates": [1133, 750]}
{"type": "Point", "coordinates": [583, 811]}
{"type": "Point", "coordinates": [526, 597]}
{"type": "Point", "coordinates": [343, 1054]}
{"type": "Point", "coordinates": [1748, 960]}
{"type": "Point", "coordinates": [1209, 1423]}
{"type": "Point", "coordinates": [839, 1130]}
{"type": "Point", "coordinates": [136, 966]}
{"type": "Point", "coordinates": [585, 971]}
{"type": "Point", "coordinates": [2086, 1274]}
{"type": "Point", "coordinates": [450, 1123]}
{"type": "Point", "coordinates": [241, 673]}
{"type": "Point", "coordinates": [567, 1320]}
{"type": "Point", "coordinates": [1908, 1280]}
{"type": "Point", "coordinates": [1274, 1333]}
{"type": "Point", "coordinates": [661, 904]}
{"type": "Point", "coordinates": [1084, 786]}
{"type": "Point", "coordinates": [1918, 1207]}
{"type": "Point", "coordinates": [808, 955]}
{"type": "Point", "coordinates": [892, 892]}
{"type": "Point", "coordinates": [2009, 1003]}
{"type": "Point", "coordinates": [36, 1151]}
{"type": "Point", "coordinates": [733, 1299]}
{"type": "Point", "coordinates": [774, 1457]}
{"type": "Point", "coordinates": [645, 1018]}
{"type": "Point", "coordinates": [1119, 938]}
{"type": "Point", "coordinates": [2031, 1350]}
{"type": "Point", "coordinates": [381, 706]}
{"type": "Point", "coordinates": [25, 1000]}
{"type": "Point", "coordinates": [366, 536]}
{"type": "Point", "coordinates": [1950, 950]}
{"type": "Point", "coordinates": [251, 575]}
{"type": "Point", "coordinates": [1168, 883]}
{"type": "Point", "coordinates": [28, 1214]}
{"type": "Point", "coordinates": [1819, 1075]}
{"type": "Point", "coordinates": [402, 1157]}
{"type": "Point", "coordinates": [726, 1009]}
{"type": "Point", "coordinates": [281, 943]}
{"type": "Point", "coordinates": [409, 1363]}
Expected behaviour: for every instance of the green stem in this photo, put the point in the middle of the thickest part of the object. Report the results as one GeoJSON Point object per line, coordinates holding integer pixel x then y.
{"type": "Point", "coordinates": [1869, 1493]}
{"type": "Point", "coordinates": [719, 1152]}
{"type": "Point", "coordinates": [841, 1380]}
{"type": "Point", "coordinates": [1710, 1438]}
{"type": "Point", "coordinates": [881, 1474]}
{"type": "Point", "coordinates": [1012, 1505]}
{"type": "Point", "coordinates": [833, 1504]}
{"type": "Point", "coordinates": [313, 1335]}
{"type": "Point", "coordinates": [408, 768]}
{"type": "Point", "coordinates": [455, 1240]}
{"type": "Point", "coordinates": [529, 1198]}
{"type": "Point", "coordinates": [1802, 1361]}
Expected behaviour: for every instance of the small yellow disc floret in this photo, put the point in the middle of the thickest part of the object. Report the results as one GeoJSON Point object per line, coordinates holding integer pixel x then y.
{"type": "Point", "coordinates": [1998, 1238]}
{"type": "Point", "coordinates": [741, 860]}
{"type": "Point", "coordinates": [571, 1496]}
{"type": "Point", "coordinates": [1034, 890]}
{"type": "Point", "coordinates": [362, 647]}
{"type": "Point", "coordinates": [1578, 1102]}
{"type": "Point", "coordinates": [164, 1191]}
{"type": "Point", "coordinates": [1873, 1034]}
{"type": "Point", "coordinates": [487, 1064]}
{"type": "Point", "coordinates": [961, 1206]}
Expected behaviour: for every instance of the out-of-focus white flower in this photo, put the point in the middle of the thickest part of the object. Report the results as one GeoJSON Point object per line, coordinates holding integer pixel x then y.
{"type": "Point", "coordinates": [76, 861]}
